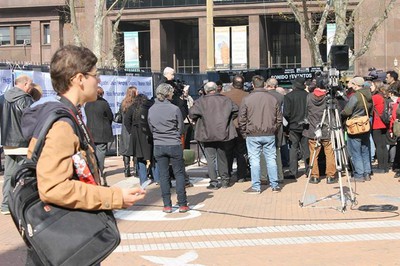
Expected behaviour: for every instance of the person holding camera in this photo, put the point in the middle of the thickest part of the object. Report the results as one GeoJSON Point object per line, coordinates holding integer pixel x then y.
{"type": "Point", "coordinates": [317, 132]}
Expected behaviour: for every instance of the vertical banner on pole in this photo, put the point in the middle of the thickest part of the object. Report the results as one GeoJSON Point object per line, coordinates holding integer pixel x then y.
{"type": "Point", "coordinates": [131, 48]}
{"type": "Point", "coordinates": [239, 47]}
{"type": "Point", "coordinates": [330, 35]}
{"type": "Point", "coordinates": [222, 47]}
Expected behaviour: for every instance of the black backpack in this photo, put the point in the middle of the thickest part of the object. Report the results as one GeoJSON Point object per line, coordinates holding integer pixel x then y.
{"type": "Point", "coordinates": [56, 235]}
{"type": "Point", "coordinates": [387, 112]}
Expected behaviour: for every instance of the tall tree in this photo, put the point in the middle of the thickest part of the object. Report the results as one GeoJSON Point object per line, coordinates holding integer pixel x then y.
{"type": "Point", "coordinates": [100, 13]}
{"type": "Point", "coordinates": [344, 24]}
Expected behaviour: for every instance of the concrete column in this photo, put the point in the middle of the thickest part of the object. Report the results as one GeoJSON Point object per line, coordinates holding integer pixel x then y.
{"type": "Point", "coordinates": [155, 44]}
{"type": "Point", "coordinates": [36, 42]}
{"type": "Point", "coordinates": [56, 35]}
{"type": "Point", "coordinates": [202, 44]}
{"type": "Point", "coordinates": [254, 41]}
{"type": "Point", "coordinates": [305, 50]}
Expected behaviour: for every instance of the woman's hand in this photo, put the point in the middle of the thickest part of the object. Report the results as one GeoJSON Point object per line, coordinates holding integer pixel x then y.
{"type": "Point", "coordinates": [132, 195]}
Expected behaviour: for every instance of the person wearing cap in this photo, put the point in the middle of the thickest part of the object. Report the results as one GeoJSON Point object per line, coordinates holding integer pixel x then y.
{"type": "Point", "coordinates": [294, 109]}
{"type": "Point", "coordinates": [359, 146]}
{"type": "Point", "coordinates": [315, 106]}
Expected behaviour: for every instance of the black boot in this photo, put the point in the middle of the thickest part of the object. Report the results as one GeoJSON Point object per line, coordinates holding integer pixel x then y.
{"type": "Point", "coordinates": [127, 168]}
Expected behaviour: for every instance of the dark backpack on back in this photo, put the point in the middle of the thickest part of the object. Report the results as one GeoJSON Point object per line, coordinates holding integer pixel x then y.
{"type": "Point", "coordinates": [387, 112]}
{"type": "Point", "coordinates": [58, 236]}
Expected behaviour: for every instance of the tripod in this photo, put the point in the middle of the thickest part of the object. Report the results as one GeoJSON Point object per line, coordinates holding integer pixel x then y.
{"type": "Point", "coordinates": [331, 118]}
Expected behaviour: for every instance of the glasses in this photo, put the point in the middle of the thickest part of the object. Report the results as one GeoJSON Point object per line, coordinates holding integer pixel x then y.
{"type": "Point", "coordinates": [95, 75]}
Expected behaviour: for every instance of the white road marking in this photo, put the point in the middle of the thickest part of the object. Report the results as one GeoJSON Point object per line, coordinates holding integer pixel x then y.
{"type": "Point", "coordinates": [265, 229]}
{"type": "Point", "coordinates": [179, 261]}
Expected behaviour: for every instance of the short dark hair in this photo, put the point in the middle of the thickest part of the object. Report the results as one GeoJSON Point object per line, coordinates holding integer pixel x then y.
{"type": "Point", "coordinates": [68, 61]}
{"type": "Point", "coordinates": [258, 81]}
{"type": "Point", "coordinates": [393, 74]}
{"type": "Point", "coordinates": [238, 82]}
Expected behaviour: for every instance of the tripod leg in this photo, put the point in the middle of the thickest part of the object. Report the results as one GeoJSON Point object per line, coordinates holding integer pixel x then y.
{"type": "Point", "coordinates": [317, 144]}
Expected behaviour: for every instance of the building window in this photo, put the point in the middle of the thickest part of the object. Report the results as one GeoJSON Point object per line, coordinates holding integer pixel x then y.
{"type": "Point", "coordinates": [46, 34]}
{"type": "Point", "coordinates": [5, 36]}
{"type": "Point", "coordinates": [23, 35]}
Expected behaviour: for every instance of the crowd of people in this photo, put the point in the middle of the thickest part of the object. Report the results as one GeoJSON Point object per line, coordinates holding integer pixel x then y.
{"type": "Point", "coordinates": [263, 130]}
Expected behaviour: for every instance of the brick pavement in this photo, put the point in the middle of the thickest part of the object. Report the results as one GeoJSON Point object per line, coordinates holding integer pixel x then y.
{"type": "Point", "coordinates": [227, 227]}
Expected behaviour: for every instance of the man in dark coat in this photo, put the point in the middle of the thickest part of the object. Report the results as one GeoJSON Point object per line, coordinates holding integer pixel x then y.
{"type": "Point", "coordinates": [236, 94]}
{"type": "Point", "coordinates": [99, 118]}
{"type": "Point", "coordinates": [214, 114]}
{"type": "Point", "coordinates": [294, 108]}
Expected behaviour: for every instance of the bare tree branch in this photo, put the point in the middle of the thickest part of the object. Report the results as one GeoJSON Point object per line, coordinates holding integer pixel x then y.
{"type": "Point", "coordinates": [114, 38]}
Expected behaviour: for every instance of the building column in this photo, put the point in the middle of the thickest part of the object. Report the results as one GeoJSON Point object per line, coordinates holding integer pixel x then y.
{"type": "Point", "coordinates": [202, 44]}
{"type": "Point", "coordinates": [254, 41]}
{"type": "Point", "coordinates": [56, 37]}
{"type": "Point", "coordinates": [36, 42]}
{"type": "Point", "coordinates": [155, 44]}
{"type": "Point", "coordinates": [305, 50]}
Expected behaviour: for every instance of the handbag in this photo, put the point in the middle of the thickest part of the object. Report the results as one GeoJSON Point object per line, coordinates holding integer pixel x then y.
{"type": "Point", "coordinates": [118, 117]}
{"type": "Point", "coordinates": [396, 127]}
{"type": "Point", "coordinates": [359, 124]}
{"type": "Point", "coordinates": [56, 235]}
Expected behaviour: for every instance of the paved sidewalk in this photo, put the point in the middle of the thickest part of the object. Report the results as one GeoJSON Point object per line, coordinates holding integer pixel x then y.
{"type": "Point", "coordinates": [228, 227]}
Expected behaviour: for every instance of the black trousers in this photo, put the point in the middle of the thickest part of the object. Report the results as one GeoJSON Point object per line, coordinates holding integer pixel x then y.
{"type": "Point", "coordinates": [379, 137]}
{"type": "Point", "coordinates": [297, 141]}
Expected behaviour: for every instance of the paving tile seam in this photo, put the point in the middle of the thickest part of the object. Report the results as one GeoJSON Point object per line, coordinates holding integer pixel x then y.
{"type": "Point", "coordinates": [258, 242]}
{"type": "Point", "coordinates": [264, 229]}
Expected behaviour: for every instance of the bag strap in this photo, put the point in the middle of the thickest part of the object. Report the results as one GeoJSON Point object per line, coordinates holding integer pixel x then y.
{"type": "Point", "coordinates": [365, 105]}
{"type": "Point", "coordinates": [52, 118]}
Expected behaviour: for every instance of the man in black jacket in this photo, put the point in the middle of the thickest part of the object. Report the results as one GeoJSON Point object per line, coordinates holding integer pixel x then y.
{"type": "Point", "coordinates": [99, 118]}
{"type": "Point", "coordinates": [15, 146]}
{"type": "Point", "coordinates": [294, 109]}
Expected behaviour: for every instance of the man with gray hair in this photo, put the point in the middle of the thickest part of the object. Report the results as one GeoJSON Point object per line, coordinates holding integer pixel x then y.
{"type": "Point", "coordinates": [214, 114]}
{"type": "Point", "coordinates": [15, 146]}
{"type": "Point", "coordinates": [166, 124]}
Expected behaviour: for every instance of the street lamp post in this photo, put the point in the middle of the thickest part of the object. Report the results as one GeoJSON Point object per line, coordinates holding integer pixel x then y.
{"type": "Point", "coordinates": [210, 35]}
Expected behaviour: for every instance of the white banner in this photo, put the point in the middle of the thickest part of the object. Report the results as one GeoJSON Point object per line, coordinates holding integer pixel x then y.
{"type": "Point", "coordinates": [222, 49]}
{"type": "Point", "coordinates": [330, 36]}
{"type": "Point", "coordinates": [239, 47]}
{"type": "Point", "coordinates": [131, 48]}
{"type": "Point", "coordinates": [114, 87]}
{"type": "Point", "coordinates": [6, 81]}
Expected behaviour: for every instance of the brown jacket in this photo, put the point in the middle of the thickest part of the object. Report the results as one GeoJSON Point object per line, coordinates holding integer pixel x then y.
{"type": "Point", "coordinates": [55, 171]}
{"type": "Point", "coordinates": [259, 114]}
{"type": "Point", "coordinates": [236, 95]}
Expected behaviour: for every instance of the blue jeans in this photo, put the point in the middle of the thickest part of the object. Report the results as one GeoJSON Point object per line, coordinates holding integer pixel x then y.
{"type": "Point", "coordinates": [142, 170]}
{"type": "Point", "coordinates": [173, 154]}
{"type": "Point", "coordinates": [266, 145]}
{"type": "Point", "coordinates": [360, 152]}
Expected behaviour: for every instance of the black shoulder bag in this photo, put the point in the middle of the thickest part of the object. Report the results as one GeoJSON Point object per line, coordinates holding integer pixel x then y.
{"type": "Point", "coordinates": [56, 235]}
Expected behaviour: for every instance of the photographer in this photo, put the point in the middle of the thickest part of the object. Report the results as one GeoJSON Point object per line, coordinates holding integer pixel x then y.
{"type": "Point", "coordinates": [318, 132]}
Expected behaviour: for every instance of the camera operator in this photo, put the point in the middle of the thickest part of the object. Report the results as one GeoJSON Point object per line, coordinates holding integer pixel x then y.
{"type": "Point", "coordinates": [318, 131]}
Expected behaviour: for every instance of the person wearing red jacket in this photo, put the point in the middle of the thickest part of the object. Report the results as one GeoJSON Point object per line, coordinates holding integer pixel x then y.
{"type": "Point", "coordinates": [396, 162]}
{"type": "Point", "coordinates": [379, 128]}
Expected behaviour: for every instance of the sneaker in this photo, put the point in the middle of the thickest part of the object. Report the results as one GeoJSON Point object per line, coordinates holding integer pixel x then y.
{"type": "Point", "coordinates": [397, 175]}
{"type": "Point", "coordinates": [5, 212]}
{"type": "Point", "coordinates": [167, 209]}
{"type": "Point", "coordinates": [212, 187]}
{"type": "Point", "coordinates": [183, 209]}
{"type": "Point", "coordinates": [367, 178]}
{"type": "Point", "coordinates": [276, 189]}
{"type": "Point", "coordinates": [224, 184]}
{"type": "Point", "coordinates": [251, 190]}
{"type": "Point", "coordinates": [314, 180]}
{"type": "Point", "coordinates": [188, 185]}
{"type": "Point", "coordinates": [357, 179]}
{"type": "Point", "coordinates": [331, 180]}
